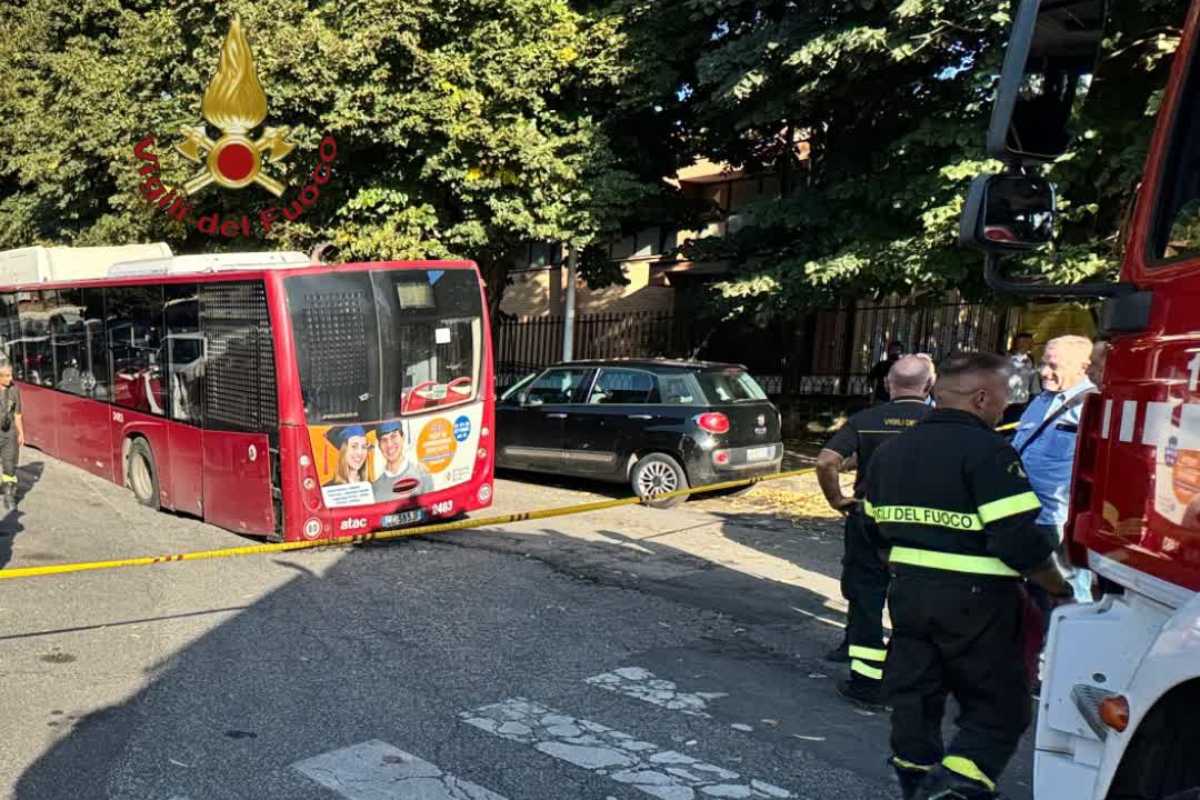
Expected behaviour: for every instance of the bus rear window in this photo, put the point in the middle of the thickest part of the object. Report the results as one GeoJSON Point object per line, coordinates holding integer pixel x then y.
{"type": "Point", "coordinates": [377, 345]}
{"type": "Point", "coordinates": [730, 386]}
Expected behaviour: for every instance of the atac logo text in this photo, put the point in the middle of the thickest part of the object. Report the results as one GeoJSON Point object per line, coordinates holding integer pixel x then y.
{"type": "Point", "coordinates": [236, 105]}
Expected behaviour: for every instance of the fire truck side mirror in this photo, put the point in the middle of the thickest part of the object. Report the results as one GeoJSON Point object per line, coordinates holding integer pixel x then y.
{"type": "Point", "coordinates": [1006, 213]}
{"type": "Point", "coordinates": [1052, 53]}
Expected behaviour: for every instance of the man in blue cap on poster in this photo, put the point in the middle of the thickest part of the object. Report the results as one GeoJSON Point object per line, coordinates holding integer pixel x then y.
{"type": "Point", "coordinates": [402, 476]}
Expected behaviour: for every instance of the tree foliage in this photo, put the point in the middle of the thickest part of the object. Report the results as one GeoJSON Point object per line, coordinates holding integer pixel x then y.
{"type": "Point", "coordinates": [464, 128]}
{"type": "Point", "coordinates": [891, 100]}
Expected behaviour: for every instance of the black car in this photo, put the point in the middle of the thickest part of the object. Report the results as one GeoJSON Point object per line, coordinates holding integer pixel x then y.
{"type": "Point", "coordinates": [659, 425]}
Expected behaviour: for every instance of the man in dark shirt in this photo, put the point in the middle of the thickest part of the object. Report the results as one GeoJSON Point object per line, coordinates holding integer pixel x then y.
{"type": "Point", "coordinates": [864, 576]}
{"type": "Point", "coordinates": [879, 373]}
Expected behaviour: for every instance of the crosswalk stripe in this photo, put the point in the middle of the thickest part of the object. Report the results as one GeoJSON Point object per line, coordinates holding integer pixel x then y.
{"type": "Point", "coordinates": [374, 770]}
{"type": "Point", "coordinates": [641, 684]}
{"type": "Point", "coordinates": [665, 774]}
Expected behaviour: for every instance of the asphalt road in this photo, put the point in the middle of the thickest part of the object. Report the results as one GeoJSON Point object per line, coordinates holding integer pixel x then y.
{"type": "Point", "coordinates": [628, 653]}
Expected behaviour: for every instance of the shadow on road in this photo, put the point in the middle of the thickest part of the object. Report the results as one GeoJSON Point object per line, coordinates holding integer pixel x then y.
{"type": "Point", "coordinates": [10, 523]}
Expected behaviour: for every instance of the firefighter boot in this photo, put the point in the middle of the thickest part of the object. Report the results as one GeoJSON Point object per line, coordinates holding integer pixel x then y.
{"type": "Point", "coordinates": [910, 777]}
{"type": "Point", "coordinates": [945, 784]}
{"type": "Point", "coordinates": [863, 692]}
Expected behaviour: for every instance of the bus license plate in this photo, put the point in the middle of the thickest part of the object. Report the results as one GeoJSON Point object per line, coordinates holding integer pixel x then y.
{"type": "Point", "coordinates": [760, 453]}
{"type": "Point", "coordinates": [403, 518]}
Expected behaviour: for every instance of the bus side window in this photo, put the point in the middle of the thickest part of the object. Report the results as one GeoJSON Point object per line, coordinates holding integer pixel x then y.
{"type": "Point", "coordinates": [38, 363]}
{"type": "Point", "coordinates": [183, 354]}
{"type": "Point", "coordinates": [96, 380]}
{"type": "Point", "coordinates": [10, 328]}
{"type": "Point", "coordinates": [134, 333]}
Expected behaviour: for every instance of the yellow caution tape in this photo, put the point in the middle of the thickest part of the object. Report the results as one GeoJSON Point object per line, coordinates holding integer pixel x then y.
{"type": "Point", "coordinates": [382, 536]}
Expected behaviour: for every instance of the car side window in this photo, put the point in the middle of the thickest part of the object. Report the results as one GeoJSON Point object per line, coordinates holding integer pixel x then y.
{"type": "Point", "coordinates": [555, 386]}
{"type": "Point", "coordinates": [623, 387]}
{"type": "Point", "coordinates": [677, 390]}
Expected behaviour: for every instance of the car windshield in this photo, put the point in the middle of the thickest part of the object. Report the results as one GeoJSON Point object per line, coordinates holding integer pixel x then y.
{"type": "Point", "coordinates": [515, 389]}
{"type": "Point", "coordinates": [380, 344]}
{"type": "Point", "coordinates": [730, 386]}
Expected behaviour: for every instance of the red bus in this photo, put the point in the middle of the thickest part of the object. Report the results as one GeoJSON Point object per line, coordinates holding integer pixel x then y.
{"type": "Point", "coordinates": [261, 392]}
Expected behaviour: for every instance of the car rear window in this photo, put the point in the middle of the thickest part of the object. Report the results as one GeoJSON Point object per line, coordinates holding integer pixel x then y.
{"type": "Point", "coordinates": [730, 386]}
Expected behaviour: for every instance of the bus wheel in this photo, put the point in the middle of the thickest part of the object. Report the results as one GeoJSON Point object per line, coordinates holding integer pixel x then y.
{"type": "Point", "coordinates": [140, 473]}
{"type": "Point", "coordinates": [658, 474]}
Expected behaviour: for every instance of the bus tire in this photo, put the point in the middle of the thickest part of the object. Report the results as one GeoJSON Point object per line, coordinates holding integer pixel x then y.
{"type": "Point", "coordinates": [656, 473]}
{"type": "Point", "coordinates": [141, 473]}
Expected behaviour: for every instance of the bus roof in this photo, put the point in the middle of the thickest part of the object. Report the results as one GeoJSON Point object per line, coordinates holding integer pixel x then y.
{"type": "Point", "coordinates": [209, 262]}
{"type": "Point", "coordinates": [43, 264]}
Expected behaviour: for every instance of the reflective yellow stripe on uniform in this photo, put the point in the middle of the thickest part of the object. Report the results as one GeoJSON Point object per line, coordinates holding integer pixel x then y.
{"type": "Point", "coordinates": [859, 656]}
{"type": "Point", "coordinates": [8, 478]}
{"type": "Point", "coordinates": [867, 653]}
{"type": "Point", "coordinates": [919, 515]}
{"type": "Point", "coordinates": [952, 562]}
{"type": "Point", "coordinates": [866, 670]}
{"type": "Point", "coordinates": [1007, 506]}
{"type": "Point", "coordinates": [968, 769]}
{"type": "Point", "coordinates": [909, 765]}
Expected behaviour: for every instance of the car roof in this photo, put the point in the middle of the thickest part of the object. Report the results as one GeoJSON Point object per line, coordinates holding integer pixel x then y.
{"type": "Point", "coordinates": [650, 363]}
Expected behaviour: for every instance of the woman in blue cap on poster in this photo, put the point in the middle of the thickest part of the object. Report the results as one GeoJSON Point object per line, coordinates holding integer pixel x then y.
{"type": "Point", "coordinates": [402, 476]}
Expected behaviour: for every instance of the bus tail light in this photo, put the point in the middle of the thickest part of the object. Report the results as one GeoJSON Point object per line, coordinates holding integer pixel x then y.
{"type": "Point", "coordinates": [485, 431]}
{"type": "Point", "coordinates": [1114, 710]}
{"type": "Point", "coordinates": [720, 457]}
{"type": "Point", "coordinates": [481, 453]}
{"type": "Point", "coordinates": [713, 422]}
{"type": "Point", "coordinates": [310, 484]}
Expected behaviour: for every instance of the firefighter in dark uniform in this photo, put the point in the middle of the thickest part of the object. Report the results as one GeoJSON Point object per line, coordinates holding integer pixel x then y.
{"type": "Point", "coordinates": [951, 501]}
{"type": "Point", "coordinates": [12, 435]}
{"type": "Point", "coordinates": [864, 576]}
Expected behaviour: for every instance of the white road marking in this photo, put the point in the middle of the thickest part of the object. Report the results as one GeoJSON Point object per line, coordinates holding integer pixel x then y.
{"type": "Point", "coordinates": [641, 684]}
{"type": "Point", "coordinates": [1128, 419]}
{"type": "Point", "coordinates": [375, 770]}
{"type": "Point", "coordinates": [665, 774]}
{"type": "Point", "coordinates": [1104, 427]}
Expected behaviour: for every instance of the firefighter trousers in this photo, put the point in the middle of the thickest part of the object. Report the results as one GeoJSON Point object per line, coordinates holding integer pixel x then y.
{"type": "Point", "coordinates": [864, 585]}
{"type": "Point", "coordinates": [956, 635]}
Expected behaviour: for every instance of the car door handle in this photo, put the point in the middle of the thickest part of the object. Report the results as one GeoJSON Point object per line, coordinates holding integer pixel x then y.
{"type": "Point", "coordinates": [641, 416]}
{"type": "Point", "coordinates": [556, 416]}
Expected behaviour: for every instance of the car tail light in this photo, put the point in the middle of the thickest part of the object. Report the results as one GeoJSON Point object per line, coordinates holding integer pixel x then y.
{"type": "Point", "coordinates": [720, 457]}
{"type": "Point", "coordinates": [713, 422]}
{"type": "Point", "coordinates": [1114, 710]}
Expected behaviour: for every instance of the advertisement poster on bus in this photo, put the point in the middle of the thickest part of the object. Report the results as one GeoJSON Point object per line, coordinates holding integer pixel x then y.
{"type": "Point", "coordinates": [396, 459]}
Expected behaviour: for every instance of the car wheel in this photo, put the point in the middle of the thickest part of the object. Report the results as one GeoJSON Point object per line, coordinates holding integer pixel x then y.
{"type": "Point", "coordinates": [141, 474]}
{"type": "Point", "coordinates": [657, 474]}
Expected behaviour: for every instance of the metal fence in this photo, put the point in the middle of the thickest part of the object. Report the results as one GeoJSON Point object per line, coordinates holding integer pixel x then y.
{"type": "Point", "coordinates": [828, 352]}
{"type": "Point", "coordinates": [524, 344]}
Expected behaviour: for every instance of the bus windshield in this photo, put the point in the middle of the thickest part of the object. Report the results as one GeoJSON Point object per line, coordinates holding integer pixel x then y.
{"type": "Point", "coordinates": [386, 343]}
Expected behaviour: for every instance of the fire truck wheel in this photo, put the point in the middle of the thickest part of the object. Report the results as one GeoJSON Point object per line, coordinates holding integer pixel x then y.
{"type": "Point", "coordinates": [141, 475]}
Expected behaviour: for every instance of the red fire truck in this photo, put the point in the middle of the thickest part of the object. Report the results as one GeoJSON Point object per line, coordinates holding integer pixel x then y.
{"type": "Point", "coordinates": [1119, 711]}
